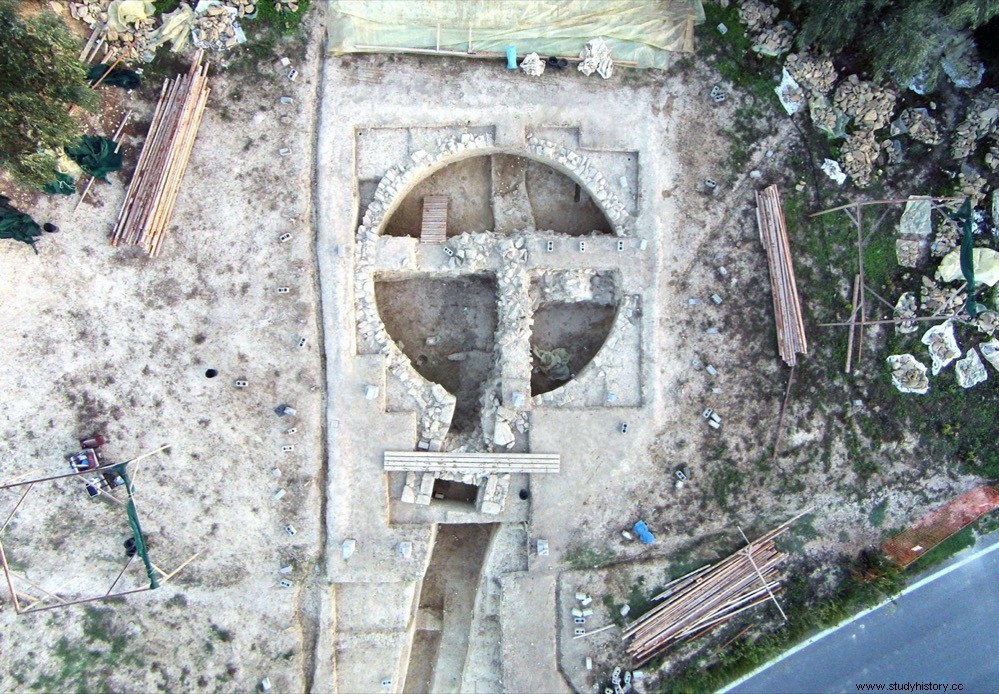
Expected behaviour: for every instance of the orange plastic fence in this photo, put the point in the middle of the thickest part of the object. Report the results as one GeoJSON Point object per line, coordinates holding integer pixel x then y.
{"type": "Point", "coordinates": [939, 524]}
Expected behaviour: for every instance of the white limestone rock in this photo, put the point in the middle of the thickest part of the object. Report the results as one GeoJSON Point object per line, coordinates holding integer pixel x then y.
{"type": "Point", "coordinates": [970, 371]}
{"type": "Point", "coordinates": [942, 345]}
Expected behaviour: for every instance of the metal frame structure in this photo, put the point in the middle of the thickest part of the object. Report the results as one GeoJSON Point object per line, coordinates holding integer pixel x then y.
{"type": "Point", "coordinates": [854, 211]}
{"type": "Point", "coordinates": [33, 605]}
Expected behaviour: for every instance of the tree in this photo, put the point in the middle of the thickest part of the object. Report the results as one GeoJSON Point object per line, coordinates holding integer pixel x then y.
{"type": "Point", "coordinates": [40, 79]}
{"type": "Point", "coordinates": [897, 40]}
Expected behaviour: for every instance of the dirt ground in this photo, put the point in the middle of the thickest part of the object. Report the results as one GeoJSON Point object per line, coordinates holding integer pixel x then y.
{"type": "Point", "coordinates": [475, 187]}
{"type": "Point", "coordinates": [445, 327]}
{"type": "Point", "coordinates": [104, 339]}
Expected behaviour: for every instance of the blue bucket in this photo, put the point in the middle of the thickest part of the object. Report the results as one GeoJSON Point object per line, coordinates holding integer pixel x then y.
{"type": "Point", "coordinates": [511, 56]}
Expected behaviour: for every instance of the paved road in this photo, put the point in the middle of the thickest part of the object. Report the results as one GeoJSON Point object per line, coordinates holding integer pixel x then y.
{"type": "Point", "coordinates": [944, 632]}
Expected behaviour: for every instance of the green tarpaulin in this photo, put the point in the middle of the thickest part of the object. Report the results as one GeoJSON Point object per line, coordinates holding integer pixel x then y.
{"type": "Point", "coordinates": [18, 226]}
{"type": "Point", "coordinates": [641, 31]}
{"type": "Point", "coordinates": [118, 77]}
{"type": "Point", "coordinates": [95, 155]}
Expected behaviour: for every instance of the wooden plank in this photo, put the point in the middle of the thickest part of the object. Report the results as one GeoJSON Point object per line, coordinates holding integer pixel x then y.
{"type": "Point", "coordinates": [410, 461]}
{"type": "Point", "coordinates": [853, 324]}
{"type": "Point", "coordinates": [433, 227]}
{"type": "Point", "coordinates": [791, 338]}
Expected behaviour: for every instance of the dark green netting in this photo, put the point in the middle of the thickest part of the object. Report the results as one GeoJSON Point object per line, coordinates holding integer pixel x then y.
{"type": "Point", "coordinates": [62, 185]}
{"type": "Point", "coordinates": [133, 523]}
{"type": "Point", "coordinates": [118, 77]}
{"type": "Point", "coordinates": [967, 258]}
{"type": "Point", "coordinates": [18, 226]}
{"type": "Point", "coordinates": [95, 155]}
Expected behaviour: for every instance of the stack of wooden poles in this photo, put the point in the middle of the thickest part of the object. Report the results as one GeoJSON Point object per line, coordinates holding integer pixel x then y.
{"type": "Point", "coordinates": [707, 598]}
{"type": "Point", "coordinates": [787, 306]}
{"type": "Point", "coordinates": [149, 201]}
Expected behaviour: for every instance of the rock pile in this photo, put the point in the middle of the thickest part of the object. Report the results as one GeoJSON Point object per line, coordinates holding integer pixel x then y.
{"type": "Point", "coordinates": [870, 106]}
{"type": "Point", "coordinates": [981, 119]}
{"type": "Point", "coordinates": [905, 309]}
{"type": "Point", "coordinates": [992, 156]}
{"type": "Point", "coordinates": [947, 235]}
{"type": "Point", "coordinates": [972, 184]}
{"type": "Point", "coordinates": [216, 28]}
{"type": "Point", "coordinates": [908, 375]}
{"type": "Point", "coordinates": [918, 124]}
{"type": "Point", "coordinates": [826, 118]}
{"type": "Point", "coordinates": [756, 15]}
{"type": "Point", "coordinates": [940, 300]}
{"type": "Point", "coordinates": [90, 12]}
{"type": "Point", "coordinates": [987, 322]}
{"type": "Point", "coordinates": [814, 73]}
{"type": "Point", "coordinates": [859, 155]}
{"type": "Point", "coordinates": [774, 40]}
{"type": "Point", "coordinates": [286, 5]}
{"type": "Point", "coordinates": [243, 8]}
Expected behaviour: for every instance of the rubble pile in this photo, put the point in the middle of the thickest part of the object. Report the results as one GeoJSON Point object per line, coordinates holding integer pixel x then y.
{"type": "Point", "coordinates": [859, 154]}
{"type": "Point", "coordinates": [90, 12]}
{"type": "Point", "coordinates": [946, 238]}
{"type": "Point", "coordinates": [972, 184]}
{"type": "Point", "coordinates": [814, 73]}
{"type": "Point", "coordinates": [905, 310]}
{"type": "Point", "coordinates": [870, 106]}
{"type": "Point", "coordinates": [127, 25]}
{"type": "Point", "coordinates": [908, 375]}
{"type": "Point", "coordinates": [774, 40]}
{"type": "Point", "coordinates": [918, 124]}
{"type": "Point", "coordinates": [940, 300]}
{"type": "Point", "coordinates": [987, 322]}
{"type": "Point", "coordinates": [757, 15]}
{"type": "Point", "coordinates": [826, 118]}
{"type": "Point", "coordinates": [216, 28]}
{"type": "Point", "coordinates": [244, 8]}
{"type": "Point", "coordinates": [981, 119]}
{"type": "Point", "coordinates": [286, 5]}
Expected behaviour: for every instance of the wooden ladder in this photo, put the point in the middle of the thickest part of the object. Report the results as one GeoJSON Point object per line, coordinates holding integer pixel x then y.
{"type": "Point", "coordinates": [434, 224]}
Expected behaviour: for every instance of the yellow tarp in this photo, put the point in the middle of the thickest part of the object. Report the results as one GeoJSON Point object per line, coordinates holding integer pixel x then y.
{"type": "Point", "coordinates": [642, 31]}
{"type": "Point", "coordinates": [985, 261]}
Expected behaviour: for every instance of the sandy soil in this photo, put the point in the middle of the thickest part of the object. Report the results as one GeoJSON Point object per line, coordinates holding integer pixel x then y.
{"type": "Point", "coordinates": [104, 339]}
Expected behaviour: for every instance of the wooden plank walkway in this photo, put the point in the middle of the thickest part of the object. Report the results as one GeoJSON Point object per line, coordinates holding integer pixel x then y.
{"type": "Point", "coordinates": [472, 463]}
{"type": "Point", "coordinates": [434, 225]}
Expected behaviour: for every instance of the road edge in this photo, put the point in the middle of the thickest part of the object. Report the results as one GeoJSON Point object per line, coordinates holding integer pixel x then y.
{"type": "Point", "coordinates": [849, 620]}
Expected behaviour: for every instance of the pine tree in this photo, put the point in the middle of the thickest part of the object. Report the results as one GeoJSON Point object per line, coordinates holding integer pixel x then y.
{"type": "Point", "coordinates": [40, 79]}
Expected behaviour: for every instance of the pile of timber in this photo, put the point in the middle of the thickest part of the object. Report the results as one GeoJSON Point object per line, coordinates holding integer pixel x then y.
{"type": "Point", "coordinates": [149, 202]}
{"type": "Point", "coordinates": [787, 307]}
{"type": "Point", "coordinates": [707, 598]}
